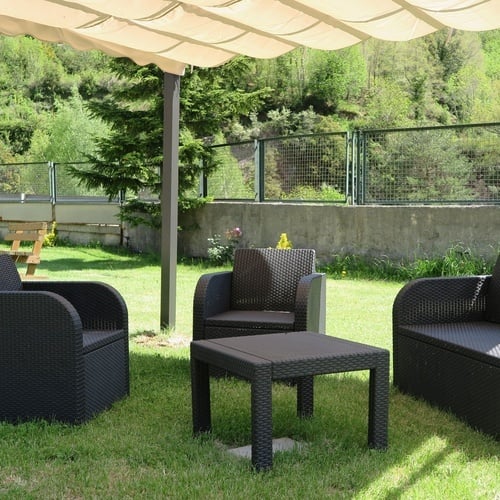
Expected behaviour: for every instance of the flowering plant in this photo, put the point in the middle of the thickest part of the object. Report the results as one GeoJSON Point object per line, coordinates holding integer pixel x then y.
{"type": "Point", "coordinates": [284, 243]}
{"type": "Point", "coordinates": [234, 234]}
{"type": "Point", "coordinates": [219, 252]}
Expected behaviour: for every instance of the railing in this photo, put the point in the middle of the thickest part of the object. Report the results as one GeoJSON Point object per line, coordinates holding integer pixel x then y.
{"type": "Point", "coordinates": [46, 182]}
{"type": "Point", "coordinates": [454, 164]}
{"type": "Point", "coordinates": [310, 167]}
{"type": "Point", "coordinates": [448, 164]}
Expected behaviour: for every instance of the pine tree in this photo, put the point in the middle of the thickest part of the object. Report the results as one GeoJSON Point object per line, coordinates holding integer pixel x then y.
{"type": "Point", "coordinates": [130, 158]}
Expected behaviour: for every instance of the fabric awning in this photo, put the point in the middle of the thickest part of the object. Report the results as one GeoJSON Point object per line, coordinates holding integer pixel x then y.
{"type": "Point", "coordinates": [206, 33]}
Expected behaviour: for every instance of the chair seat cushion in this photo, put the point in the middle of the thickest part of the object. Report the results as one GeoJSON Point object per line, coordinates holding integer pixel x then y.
{"type": "Point", "coordinates": [476, 339]}
{"type": "Point", "coordinates": [95, 339]}
{"type": "Point", "coordinates": [281, 320]}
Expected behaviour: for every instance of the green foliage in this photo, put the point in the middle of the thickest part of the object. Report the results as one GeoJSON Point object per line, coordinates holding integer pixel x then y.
{"type": "Point", "coordinates": [222, 252]}
{"type": "Point", "coordinates": [51, 239]}
{"type": "Point", "coordinates": [37, 83]}
{"type": "Point", "coordinates": [233, 179]}
{"type": "Point", "coordinates": [333, 77]}
{"type": "Point", "coordinates": [18, 121]}
{"type": "Point", "coordinates": [491, 46]}
{"type": "Point", "coordinates": [10, 177]}
{"type": "Point", "coordinates": [401, 169]}
{"type": "Point", "coordinates": [46, 89]}
{"type": "Point", "coordinates": [457, 261]}
{"type": "Point", "coordinates": [324, 193]}
{"type": "Point", "coordinates": [129, 158]}
{"type": "Point", "coordinates": [67, 134]}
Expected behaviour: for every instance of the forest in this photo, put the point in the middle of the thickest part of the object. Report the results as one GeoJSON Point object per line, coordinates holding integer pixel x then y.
{"type": "Point", "coordinates": [59, 104]}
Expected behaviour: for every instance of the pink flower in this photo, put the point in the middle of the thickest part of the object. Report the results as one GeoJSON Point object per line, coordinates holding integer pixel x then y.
{"type": "Point", "coordinates": [234, 234]}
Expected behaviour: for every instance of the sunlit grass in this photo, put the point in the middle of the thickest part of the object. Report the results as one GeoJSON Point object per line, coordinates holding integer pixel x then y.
{"type": "Point", "coordinates": [143, 446]}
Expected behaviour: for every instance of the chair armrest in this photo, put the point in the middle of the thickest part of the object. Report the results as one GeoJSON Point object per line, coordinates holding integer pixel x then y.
{"type": "Point", "coordinates": [212, 296]}
{"type": "Point", "coordinates": [441, 300]}
{"type": "Point", "coordinates": [38, 317]}
{"type": "Point", "coordinates": [100, 306]}
{"type": "Point", "coordinates": [41, 353]}
{"type": "Point", "coordinates": [310, 303]}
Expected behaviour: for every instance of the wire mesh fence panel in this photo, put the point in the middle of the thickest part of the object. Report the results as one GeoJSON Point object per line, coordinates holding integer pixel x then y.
{"type": "Point", "coordinates": [458, 164]}
{"type": "Point", "coordinates": [306, 168]}
{"type": "Point", "coordinates": [235, 176]}
{"type": "Point", "coordinates": [69, 188]}
{"type": "Point", "coordinates": [25, 181]}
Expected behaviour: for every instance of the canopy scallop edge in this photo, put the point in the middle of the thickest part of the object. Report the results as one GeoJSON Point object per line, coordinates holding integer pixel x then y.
{"type": "Point", "coordinates": [207, 33]}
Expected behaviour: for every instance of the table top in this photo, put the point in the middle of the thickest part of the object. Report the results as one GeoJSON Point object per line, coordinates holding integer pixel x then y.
{"type": "Point", "coordinates": [287, 347]}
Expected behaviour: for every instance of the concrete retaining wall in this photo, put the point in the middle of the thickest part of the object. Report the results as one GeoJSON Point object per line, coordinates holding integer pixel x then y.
{"type": "Point", "coordinates": [396, 232]}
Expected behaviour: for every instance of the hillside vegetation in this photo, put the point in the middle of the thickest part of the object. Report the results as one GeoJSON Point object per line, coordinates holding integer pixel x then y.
{"type": "Point", "coordinates": [62, 105]}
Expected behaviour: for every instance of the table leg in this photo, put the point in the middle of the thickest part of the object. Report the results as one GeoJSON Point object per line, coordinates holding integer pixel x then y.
{"type": "Point", "coordinates": [200, 394]}
{"type": "Point", "coordinates": [305, 396]}
{"type": "Point", "coordinates": [378, 411]}
{"type": "Point", "coordinates": [262, 423]}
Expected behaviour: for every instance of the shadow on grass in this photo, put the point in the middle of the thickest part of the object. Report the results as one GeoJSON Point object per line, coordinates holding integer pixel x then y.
{"type": "Point", "coordinates": [104, 258]}
{"type": "Point", "coordinates": [336, 436]}
{"type": "Point", "coordinates": [85, 259]}
{"type": "Point", "coordinates": [147, 440]}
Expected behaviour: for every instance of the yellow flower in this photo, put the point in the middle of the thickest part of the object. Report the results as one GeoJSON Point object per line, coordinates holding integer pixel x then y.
{"type": "Point", "coordinates": [284, 243]}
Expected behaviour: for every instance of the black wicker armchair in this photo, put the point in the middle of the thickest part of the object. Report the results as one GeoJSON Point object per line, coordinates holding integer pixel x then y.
{"type": "Point", "coordinates": [268, 291]}
{"type": "Point", "coordinates": [63, 348]}
{"type": "Point", "coordinates": [446, 345]}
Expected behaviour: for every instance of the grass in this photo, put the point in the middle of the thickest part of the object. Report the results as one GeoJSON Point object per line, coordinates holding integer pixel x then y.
{"type": "Point", "coordinates": [457, 261]}
{"type": "Point", "coordinates": [143, 447]}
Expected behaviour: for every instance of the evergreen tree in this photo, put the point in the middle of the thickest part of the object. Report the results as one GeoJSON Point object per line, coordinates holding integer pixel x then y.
{"type": "Point", "coordinates": [130, 157]}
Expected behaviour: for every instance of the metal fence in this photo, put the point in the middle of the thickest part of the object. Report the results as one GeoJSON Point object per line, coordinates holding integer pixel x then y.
{"type": "Point", "coordinates": [455, 164]}
{"type": "Point", "coordinates": [47, 181]}
{"type": "Point", "coordinates": [294, 168]}
{"type": "Point", "coordinates": [449, 164]}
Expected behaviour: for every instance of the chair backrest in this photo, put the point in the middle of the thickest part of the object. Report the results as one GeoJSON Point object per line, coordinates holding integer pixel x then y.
{"type": "Point", "coordinates": [10, 281]}
{"type": "Point", "coordinates": [267, 278]}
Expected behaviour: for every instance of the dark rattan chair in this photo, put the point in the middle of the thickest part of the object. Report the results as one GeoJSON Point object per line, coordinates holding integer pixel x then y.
{"type": "Point", "coordinates": [63, 348]}
{"type": "Point", "coordinates": [446, 345]}
{"type": "Point", "coordinates": [269, 290]}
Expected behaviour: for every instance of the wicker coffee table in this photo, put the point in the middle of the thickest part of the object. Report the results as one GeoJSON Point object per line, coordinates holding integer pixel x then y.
{"type": "Point", "coordinates": [261, 359]}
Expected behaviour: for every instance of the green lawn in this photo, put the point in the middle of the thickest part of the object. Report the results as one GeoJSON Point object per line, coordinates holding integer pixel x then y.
{"type": "Point", "coordinates": [143, 446]}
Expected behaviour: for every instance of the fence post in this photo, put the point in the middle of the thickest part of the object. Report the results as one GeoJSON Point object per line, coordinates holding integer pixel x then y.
{"type": "Point", "coordinates": [358, 167]}
{"type": "Point", "coordinates": [259, 170]}
{"type": "Point", "coordinates": [53, 188]}
{"type": "Point", "coordinates": [348, 168]}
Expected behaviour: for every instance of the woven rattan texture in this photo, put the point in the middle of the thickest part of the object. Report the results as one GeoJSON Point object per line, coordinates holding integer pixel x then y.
{"type": "Point", "coordinates": [298, 356]}
{"type": "Point", "coordinates": [273, 277]}
{"type": "Point", "coordinates": [9, 279]}
{"type": "Point", "coordinates": [267, 278]}
{"type": "Point", "coordinates": [445, 352]}
{"type": "Point", "coordinates": [467, 387]}
{"type": "Point", "coordinates": [51, 365]}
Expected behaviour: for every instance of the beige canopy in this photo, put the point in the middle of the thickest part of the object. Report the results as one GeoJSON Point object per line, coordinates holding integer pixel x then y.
{"type": "Point", "coordinates": [176, 34]}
